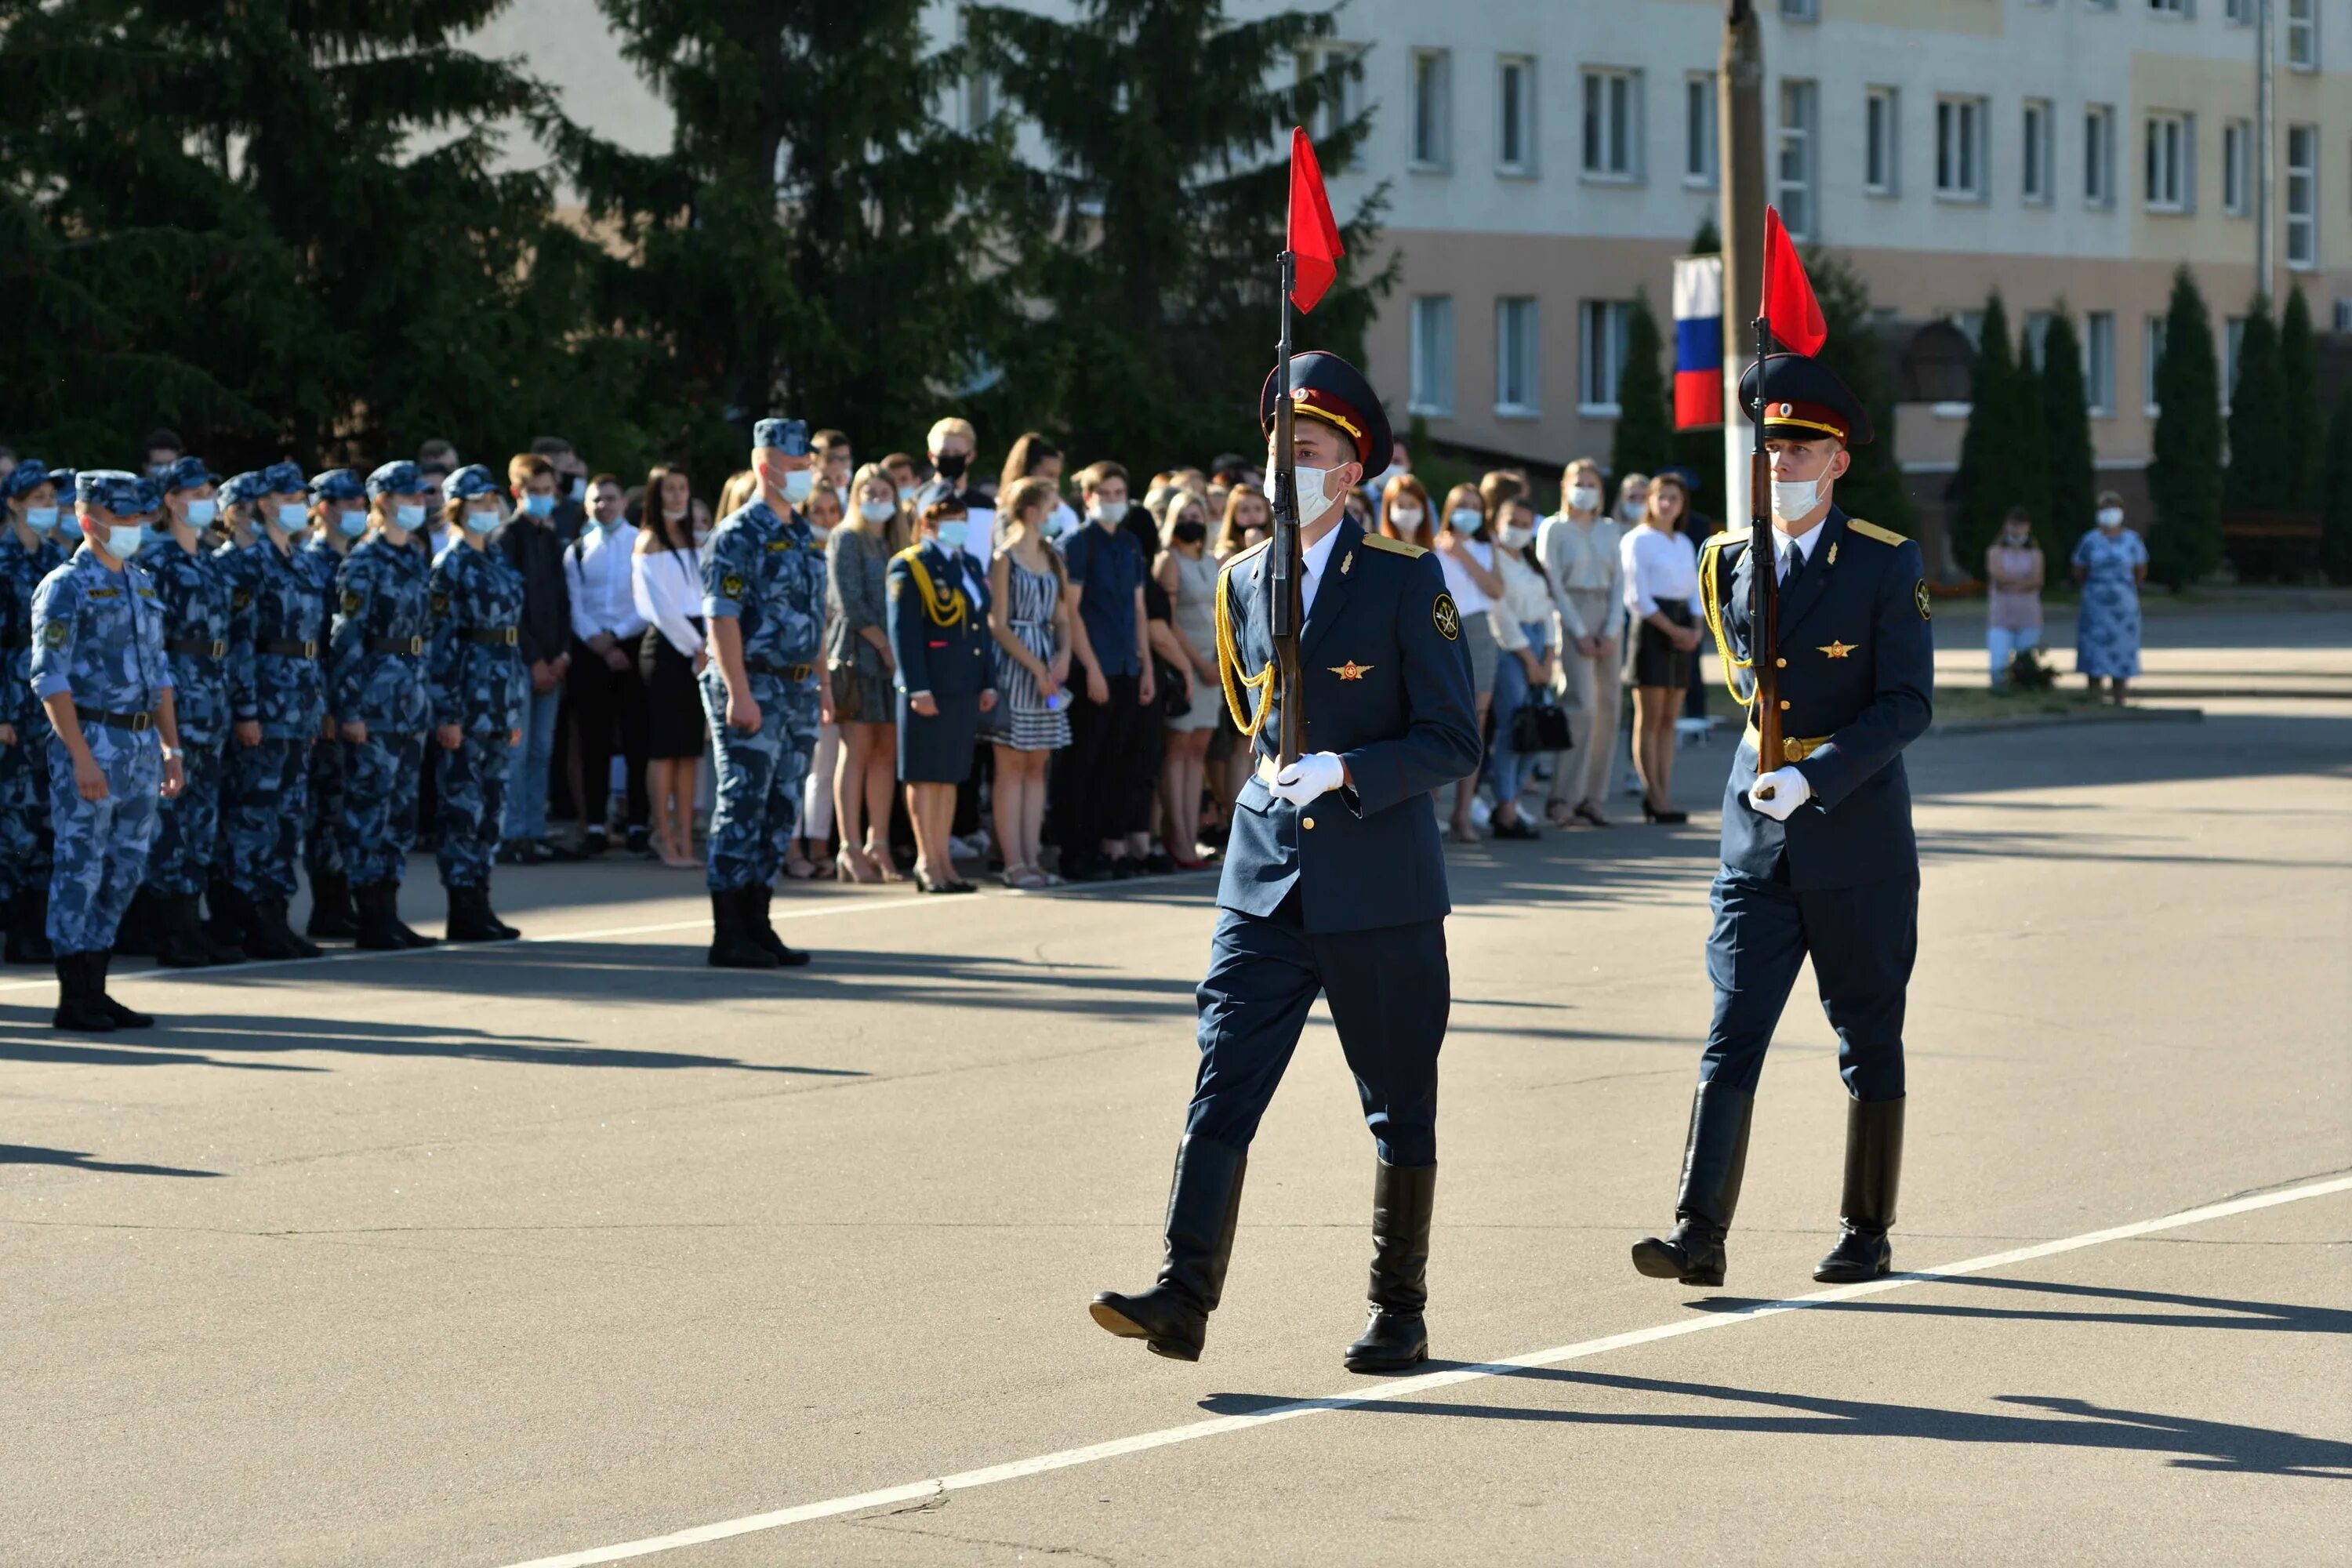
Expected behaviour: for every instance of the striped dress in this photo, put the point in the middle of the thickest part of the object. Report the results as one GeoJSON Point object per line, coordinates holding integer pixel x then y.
{"type": "Point", "coordinates": [1028, 724]}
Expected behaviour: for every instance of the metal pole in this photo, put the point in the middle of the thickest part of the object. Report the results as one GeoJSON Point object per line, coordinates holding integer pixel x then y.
{"type": "Point", "coordinates": [2266, 145]}
{"type": "Point", "coordinates": [1739, 160]}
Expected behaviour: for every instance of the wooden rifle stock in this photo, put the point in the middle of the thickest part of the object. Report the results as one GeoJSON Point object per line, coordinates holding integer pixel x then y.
{"type": "Point", "coordinates": [1287, 561]}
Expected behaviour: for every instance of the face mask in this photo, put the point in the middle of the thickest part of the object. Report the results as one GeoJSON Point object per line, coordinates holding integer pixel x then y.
{"type": "Point", "coordinates": [671, 513]}
{"type": "Point", "coordinates": [539, 505]}
{"type": "Point", "coordinates": [579, 488]}
{"type": "Point", "coordinates": [952, 533]}
{"type": "Point", "coordinates": [1792, 498]}
{"type": "Point", "coordinates": [1192, 532]}
{"type": "Point", "coordinates": [41, 519]}
{"type": "Point", "coordinates": [1312, 502]}
{"type": "Point", "coordinates": [951, 465]}
{"type": "Point", "coordinates": [292, 516]}
{"type": "Point", "coordinates": [411, 517]}
{"type": "Point", "coordinates": [1518, 538]}
{"type": "Point", "coordinates": [1110, 512]}
{"type": "Point", "coordinates": [799, 485]}
{"type": "Point", "coordinates": [1630, 511]}
{"type": "Point", "coordinates": [1405, 516]}
{"type": "Point", "coordinates": [123, 539]}
{"type": "Point", "coordinates": [1466, 519]}
{"type": "Point", "coordinates": [876, 511]}
{"type": "Point", "coordinates": [481, 521]}
{"type": "Point", "coordinates": [350, 524]}
{"type": "Point", "coordinates": [1584, 497]}
{"type": "Point", "coordinates": [2111, 517]}
{"type": "Point", "coordinates": [202, 512]}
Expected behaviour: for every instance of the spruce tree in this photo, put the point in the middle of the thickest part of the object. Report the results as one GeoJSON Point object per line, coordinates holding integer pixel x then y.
{"type": "Point", "coordinates": [1873, 487]}
{"type": "Point", "coordinates": [2029, 426]}
{"type": "Point", "coordinates": [2066, 441]}
{"type": "Point", "coordinates": [2336, 489]}
{"type": "Point", "coordinates": [1644, 440]}
{"type": "Point", "coordinates": [2299, 378]}
{"type": "Point", "coordinates": [2185, 480]}
{"type": "Point", "coordinates": [1989, 480]}
{"type": "Point", "coordinates": [2262, 470]}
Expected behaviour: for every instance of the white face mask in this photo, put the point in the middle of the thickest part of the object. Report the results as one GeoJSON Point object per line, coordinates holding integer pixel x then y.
{"type": "Point", "coordinates": [1584, 497]}
{"type": "Point", "coordinates": [1107, 512]}
{"type": "Point", "coordinates": [799, 485]}
{"type": "Point", "coordinates": [2111, 517]}
{"type": "Point", "coordinates": [1632, 511]}
{"type": "Point", "coordinates": [1516, 538]}
{"type": "Point", "coordinates": [876, 511]}
{"type": "Point", "coordinates": [1312, 502]}
{"type": "Point", "coordinates": [1792, 498]}
{"type": "Point", "coordinates": [1466, 519]}
{"type": "Point", "coordinates": [1405, 516]}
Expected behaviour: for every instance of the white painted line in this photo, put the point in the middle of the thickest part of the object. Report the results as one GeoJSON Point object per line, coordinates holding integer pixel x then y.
{"type": "Point", "coordinates": [1385, 1389]}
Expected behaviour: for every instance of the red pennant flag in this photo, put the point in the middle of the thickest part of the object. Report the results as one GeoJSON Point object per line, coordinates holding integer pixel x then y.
{"type": "Point", "coordinates": [1790, 307]}
{"type": "Point", "coordinates": [1314, 238]}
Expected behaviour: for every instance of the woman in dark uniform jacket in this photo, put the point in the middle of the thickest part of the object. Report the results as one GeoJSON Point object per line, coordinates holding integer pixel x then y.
{"type": "Point", "coordinates": [938, 630]}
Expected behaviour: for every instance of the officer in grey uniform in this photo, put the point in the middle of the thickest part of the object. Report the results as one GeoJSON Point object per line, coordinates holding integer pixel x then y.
{"type": "Point", "coordinates": [99, 671]}
{"type": "Point", "coordinates": [35, 543]}
{"type": "Point", "coordinates": [339, 520]}
{"type": "Point", "coordinates": [763, 582]}
{"type": "Point", "coordinates": [480, 687]}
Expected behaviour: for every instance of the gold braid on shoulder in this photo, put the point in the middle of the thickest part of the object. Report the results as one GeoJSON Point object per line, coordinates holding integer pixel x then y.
{"type": "Point", "coordinates": [1229, 667]}
{"type": "Point", "coordinates": [943, 609]}
{"type": "Point", "coordinates": [1710, 598]}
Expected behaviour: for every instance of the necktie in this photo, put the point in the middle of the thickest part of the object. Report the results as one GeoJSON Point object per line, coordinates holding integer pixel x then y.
{"type": "Point", "coordinates": [1792, 565]}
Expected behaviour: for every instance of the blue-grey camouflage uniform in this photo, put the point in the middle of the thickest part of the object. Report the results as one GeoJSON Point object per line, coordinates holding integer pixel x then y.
{"type": "Point", "coordinates": [375, 675]}
{"type": "Point", "coordinates": [194, 591]}
{"type": "Point", "coordinates": [25, 830]}
{"type": "Point", "coordinates": [768, 574]}
{"type": "Point", "coordinates": [322, 839]}
{"type": "Point", "coordinates": [279, 608]}
{"type": "Point", "coordinates": [478, 682]}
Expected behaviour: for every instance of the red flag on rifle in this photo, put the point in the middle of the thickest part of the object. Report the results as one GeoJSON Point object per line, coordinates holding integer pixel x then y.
{"type": "Point", "coordinates": [1314, 238]}
{"type": "Point", "coordinates": [1790, 307]}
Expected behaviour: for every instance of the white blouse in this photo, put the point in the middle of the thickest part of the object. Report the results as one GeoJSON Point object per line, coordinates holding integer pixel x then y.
{"type": "Point", "coordinates": [1525, 602]}
{"type": "Point", "coordinates": [668, 587]}
{"type": "Point", "coordinates": [1584, 559]}
{"type": "Point", "coordinates": [1660, 568]}
{"type": "Point", "coordinates": [1468, 597]}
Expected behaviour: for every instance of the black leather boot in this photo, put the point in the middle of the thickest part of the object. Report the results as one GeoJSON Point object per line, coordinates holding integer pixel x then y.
{"type": "Point", "coordinates": [506, 932]}
{"type": "Point", "coordinates": [1874, 1168]}
{"type": "Point", "coordinates": [271, 913]}
{"type": "Point", "coordinates": [378, 930]}
{"type": "Point", "coordinates": [732, 946]}
{"type": "Point", "coordinates": [135, 935]}
{"type": "Point", "coordinates": [94, 967]}
{"type": "Point", "coordinates": [227, 926]}
{"type": "Point", "coordinates": [79, 1008]}
{"type": "Point", "coordinates": [756, 922]}
{"type": "Point", "coordinates": [28, 928]}
{"type": "Point", "coordinates": [1396, 1338]}
{"type": "Point", "coordinates": [331, 914]}
{"type": "Point", "coordinates": [407, 937]}
{"type": "Point", "coordinates": [1714, 1159]}
{"type": "Point", "coordinates": [178, 942]}
{"type": "Point", "coordinates": [469, 917]}
{"type": "Point", "coordinates": [207, 932]}
{"type": "Point", "coordinates": [1205, 1203]}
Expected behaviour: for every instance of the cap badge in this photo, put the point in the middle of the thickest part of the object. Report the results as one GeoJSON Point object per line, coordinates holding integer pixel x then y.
{"type": "Point", "coordinates": [1787, 409]}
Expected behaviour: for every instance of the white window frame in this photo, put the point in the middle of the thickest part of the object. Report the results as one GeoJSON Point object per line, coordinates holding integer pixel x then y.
{"type": "Point", "coordinates": [2099, 364]}
{"type": "Point", "coordinates": [2168, 161]}
{"type": "Point", "coordinates": [1601, 356]}
{"type": "Point", "coordinates": [1521, 125]}
{"type": "Point", "coordinates": [1609, 125]}
{"type": "Point", "coordinates": [2151, 351]}
{"type": "Point", "coordinates": [2099, 155]}
{"type": "Point", "coordinates": [2239, 12]}
{"type": "Point", "coordinates": [2300, 199]}
{"type": "Point", "coordinates": [2302, 34]}
{"type": "Point", "coordinates": [1882, 141]}
{"type": "Point", "coordinates": [1430, 88]}
{"type": "Point", "coordinates": [1800, 10]}
{"type": "Point", "coordinates": [2237, 163]}
{"type": "Point", "coordinates": [1961, 144]}
{"type": "Point", "coordinates": [1699, 133]}
{"type": "Point", "coordinates": [1519, 345]}
{"type": "Point", "coordinates": [2037, 138]}
{"type": "Point", "coordinates": [1316, 58]}
{"type": "Point", "coordinates": [1431, 358]}
{"type": "Point", "coordinates": [1796, 156]}
{"type": "Point", "coordinates": [2171, 10]}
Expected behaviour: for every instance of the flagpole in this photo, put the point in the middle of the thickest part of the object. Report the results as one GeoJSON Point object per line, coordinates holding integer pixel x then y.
{"type": "Point", "coordinates": [1284, 555]}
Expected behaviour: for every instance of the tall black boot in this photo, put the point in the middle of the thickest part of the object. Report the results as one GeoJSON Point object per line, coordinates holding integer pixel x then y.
{"type": "Point", "coordinates": [759, 928]}
{"type": "Point", "coordinates": [469, 917]}
{"type": "Point", "coordinates": [731, 946]}
{"type": "Point", "coordinates": [79, 1008]}
{"type": "Point", "coordinates": [1874, 1168]}
{"type": "Point", "coordinates": [506, 932]}
{"type": "Point", "coordinates": [377, 931]}
{"type": "Point", "coordinates": [28, 928]}
{"type": "Point", "coordinates": [227, 926]}
{"type": "Point", "coordinates": [1714, 1159]}
{"type": "Point", "coordinates": [269, 913]}
{"type": "Point", "coordinates": [94, 967]}
{"type": "Point", "coordinates": [135, 935]}
{"type": "Point", "coordinates": [1396, 1338]}
{"type": "Point", "coordinates": [407, 937]}
{"type": "Point", "coordinates": [331, 907]}
{"type": "Point", "coordinates": [178, 943]}
{"type": "Point", "coordinates": [1205, 1204]}
{"type": "Point", "coordinates": [207, 932]}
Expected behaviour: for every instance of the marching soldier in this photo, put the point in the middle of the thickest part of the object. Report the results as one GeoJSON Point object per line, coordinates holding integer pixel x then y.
{"type": "Point", "coordinates": [99, 671]}
{"type": "Point", "coordinates": [763, 582]}
{"type": "Point", "coordinates": [479, 686]}
{"type": "Point", "coordinates": [1334, 882]}
{"type": "Point", "coordinates": [1818, 853]}
{"type": "Point", "coordinates": [339, 520]}
{"type": "Point", "coordinates": [31, 546]}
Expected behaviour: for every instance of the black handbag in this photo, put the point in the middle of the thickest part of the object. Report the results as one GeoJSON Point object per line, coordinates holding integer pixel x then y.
{"type": "Point", "coordinates": [1540, 725]}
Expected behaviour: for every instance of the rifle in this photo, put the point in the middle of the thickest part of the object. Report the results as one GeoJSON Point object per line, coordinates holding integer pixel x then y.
{"type": "Point", "coordinates": [1283, 553]}
{"type": "Point", "coordinates": [1763, 593]}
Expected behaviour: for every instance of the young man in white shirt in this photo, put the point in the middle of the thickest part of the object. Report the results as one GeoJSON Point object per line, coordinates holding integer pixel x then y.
{"type": "Point", "coordinates": [606, 692]}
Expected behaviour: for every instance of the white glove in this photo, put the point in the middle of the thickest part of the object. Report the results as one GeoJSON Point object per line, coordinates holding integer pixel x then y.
{"type": "Point", "coordinates": [1314, 774]}
{"type": "Point", "coordinates": [1790, 789]}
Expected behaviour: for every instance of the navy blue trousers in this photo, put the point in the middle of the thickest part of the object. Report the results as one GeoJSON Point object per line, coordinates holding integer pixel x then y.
{"type": "Point", "coordinates": [1389, 990]}
{"type": "Point", "coordinates": [1862, 940]}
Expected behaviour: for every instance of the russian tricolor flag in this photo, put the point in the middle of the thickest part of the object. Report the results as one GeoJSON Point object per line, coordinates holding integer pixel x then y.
{"type": "Point", "coordinates": [1698, 342]}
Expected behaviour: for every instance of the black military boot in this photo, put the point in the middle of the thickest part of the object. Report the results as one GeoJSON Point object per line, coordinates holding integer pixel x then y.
{"type": "Point", "coordinates": [378, 930]}
{"type": "Point", "coordinates": [331, 907]}
{"type": "Point", "coordinates": [506, 932]}
{"type": "Point", "coordinates": [469, 917]}
{"type": "Point", "coordinates": [94, 967]}
{"type": "Point", "coordinates": [762, 930]}
{"type": "Point", "coordinates": [135, 935]}
{"type": "Point", "coordinates": [391, 908]}
{"type": "Point", "coordinates": [207, 932]}
{"type": "Point", "coordinates": [732, 945]}
{"type": "Point", "coordinates": [28, 929]}
{"type": "Point", "coordinates": [1396, 1338]}
{"type": "Point", "coordinates": [266, 933]}
{"type": "Point", "coordinates": [1205, 1203]}
{"type": "Point", "coordinates": [1714, 1159]}
{"type": "Point", "coordinates": [227, 926]}
{"type": "Point", "coordinates": [78, 1007]}
{"type": "Point", "coordinates": [1874, 1168]}
{"type": "Point", "coordinates": [179, 943]}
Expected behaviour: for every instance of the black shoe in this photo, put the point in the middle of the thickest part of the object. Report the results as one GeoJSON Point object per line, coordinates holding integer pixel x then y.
{"type": "Point", "coordinates": [1158, 863]}
{"type": "Point", "coordinates": [134, 933]}
{"type": "Point", "coordinates": [1873, 1169]}
{"type": "Point", "coordinates": [179, 940]}
{"type": "Point", "coordinates": [470, 918]}
{"type": "Point", "coordinates": [1123, 869]}
{"type": "Point", "coordinates": [1396, 1338]}
{"type": "Point", "coordinates": [1518, 827]}
{"type": "Point", "coordinates": [207, 932]}
{"type": "Point", "coordinates": [407, 937]}
{"type": "Point", "coordinates": [225, 928]}
{"type": "Point", "coordinates": [94, 965]}
{"type": "Point", "coordinates": [1090, 868]}
{"type": "Point", "coordinates": [547, 850]}
{"type": "Point", "coordinates": [513, 854]}
{"type": "Point", "coordinates": [331, 907]}
{"type": "Point", "coordinates": [593, 843]}
{"type": "Point", "coordinates": [79, 1008]}
{"type": "Point", "coordinates": [640, 843]}
{"type": "Point", "coordinates": [733, 946]}
{"type": "Point", "coordinates": [1662, 815]}
{"type": "Point", "coordinates": [378, 928]}
{"type": "Point", "coordinates": [1715, 1157]}
{"type": "Point", "coordinates": [1204, 1204]}
{"type": "Point", "coordinates": [268, 935]}
{"type": "Point", "coordinates": [756, 923]}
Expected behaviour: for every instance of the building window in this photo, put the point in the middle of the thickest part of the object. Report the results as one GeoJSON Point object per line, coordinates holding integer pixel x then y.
{"type": "Point", "coordinates": [2036, 152]}
{"type": "Point", "coordinates": [2303, 35]}
{"type": "Point", "coordinates": [1517, 353]}
{"type": "Point", "coordinates": [1340, 111]}
{"type": "Point", "coordinates": [2238, 12]}
{"type": "Point", "coordinates": [2099, 362]}
{"type": "Point", "coordinates": [2237, 142]}
{"type": "Point", "coordinates": [1514, 107]}
{"type": "Point", "coordinates": [1793, 178]}
{"type": "Point", "coordinates": [1612, 125]}
{"type": "Point", "coordinates": [2168, 150]}
{"type": "Point", "coordinates": [1433, 108]}
{"type": "Point", "coordinates": [1698, 130]}
{"type": "Point", "coordinates": [1879, 172]}
{"type": "Point", "coordinates": [1800, 10]}
{"type": "Point", "coordinates": [2169, 7]}
{"type": "Point", "coordinates": [2343, 315]}
{"type": "Point", "coordinates": [2037, 332]}
{"type": "Point", "coordinates": [1600, 356]}
{"type": "Point", "coordinates": [2099, 155]}
{"type": "Point", "coordinates": [1432, 390]}
{"type": "Point", "coordinates": [2302, 196]}
{"type": "Point", "coordinates": [1960, 149]}
{"type": "Point", "coordinates": [2150, 360]}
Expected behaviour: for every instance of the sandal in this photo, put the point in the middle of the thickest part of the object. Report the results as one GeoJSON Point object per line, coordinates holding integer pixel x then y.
{"type": "Point", "coordinates": [1558, 815]}
{"type": "Point", "coordinates": [886, 869]}
{"type": "Point", "coordinates": [1588, 811]}
{"type": "Point", "coordinates": [852, 865]}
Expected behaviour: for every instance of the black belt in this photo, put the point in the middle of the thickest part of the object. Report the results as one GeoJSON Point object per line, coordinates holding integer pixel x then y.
{"type": "Point", "coordinates": [137, 723]}
{"type": "Point", "coordinates": [492, 637]}
{"type": "Point", "coordinates": [287, 648]}
{"type": "Point", "coordinates": [788, 671]}
{"type": "Point", "coordinates": [197, 647]}
{"type": "Point", "coordinates": [409, 645]}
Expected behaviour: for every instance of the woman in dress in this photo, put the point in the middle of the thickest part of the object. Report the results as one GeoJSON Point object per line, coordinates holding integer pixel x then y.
{"type": "Point", "coordinates": [859, 667]}
{"type": "Point", "coordinates": [665, 581]}
{"type": "Point", "coordinates": [1662, 598]}
{"type": "Point", "coordinates": [2110, 563]}
{"type": "Point", "coordinates": [946, 681]}
{"type": "Point", "coordinates": [1187, 573]}
{"type": "Point", "coordinates": [2013, 573]}
{"type": "Point", "coordinates": [1030, 627]}
{"type": "Point", "coordinates": [1465, 550]}
{"type": "Point", "coordinates": [1521, 619]}
{"type": "Point", "coordinates": [1583, 561]}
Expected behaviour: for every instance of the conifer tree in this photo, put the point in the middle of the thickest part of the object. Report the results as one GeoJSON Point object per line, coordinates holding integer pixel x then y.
{"type": "Point", "coordinates": [2030, 430]}
{"type": "Point", "coordinates": [2184, 480]}
{"type": "Point", "coordinates": [1988, 481]}
{"type": "Point", "coordinates": [2336, 490]}
{"type": "Point", "coordinates": [2299, 379]}
{"type": "Point", "coordinates": [2066, 441]}
{"type": "Point", "coordinates": [1642, 441]}
{"type": "Point", "coordinates": [2261, 473]}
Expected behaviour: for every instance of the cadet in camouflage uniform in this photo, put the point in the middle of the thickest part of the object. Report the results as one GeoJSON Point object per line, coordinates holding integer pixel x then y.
{"type": "Point", "coordinates": [375, 693]}
{"type": "Point", "coordinates": [31, 546]}
{"type": "Point", "coordinates": [278, 601]}
{"type": "Point", "coordinates": [339, 520]}
{"type": "Point", "coordinates": [763, 582]}
{"type": "Point", "coordinates": [192, 587]}
{"type": "Point", "coordinates": [99, 668]}
{"type": "Point", "coordinates": [479, 686]}
{"type": "Point", "coordinates": [233, 528]}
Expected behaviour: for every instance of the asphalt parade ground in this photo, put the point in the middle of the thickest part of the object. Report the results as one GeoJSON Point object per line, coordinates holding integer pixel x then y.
{"type": "Point", "coordinates": [577, 1250]}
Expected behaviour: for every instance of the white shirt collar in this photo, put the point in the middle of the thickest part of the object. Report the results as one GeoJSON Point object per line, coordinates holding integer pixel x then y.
{"type": "Point", "coordinates": [1319, 554]}
{"type": "Point", "coordinates": [1802, 544]}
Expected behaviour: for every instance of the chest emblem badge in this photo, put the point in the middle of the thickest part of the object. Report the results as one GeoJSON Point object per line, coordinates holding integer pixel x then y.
{"type": "Point", "coordinates": [1839, 650]}
{"type": "Point", "coordinates": [1351, 670]}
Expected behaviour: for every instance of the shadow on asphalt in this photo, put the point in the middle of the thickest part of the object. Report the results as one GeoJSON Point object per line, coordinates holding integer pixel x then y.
{"type": "Point", "coordinates": [2216, 1311]}
{"type": "Point", "coordinates": [27, 1155]}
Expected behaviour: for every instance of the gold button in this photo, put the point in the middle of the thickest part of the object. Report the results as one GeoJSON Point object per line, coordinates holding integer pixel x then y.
{"type": "Point", "coordinates": [1784, 705]}
{"type": "Point", "coordinates": [1780, 663]}
{"type": "Point", "coordinates": [1306, 822]}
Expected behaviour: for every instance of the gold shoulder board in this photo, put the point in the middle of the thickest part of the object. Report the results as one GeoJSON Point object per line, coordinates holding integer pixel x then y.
{"type": "Point", "coordinates": [1238, 556]}
{"type": "Point", "coordinates": [1872, 530]}
{"type": "Point", "coordinates": [1393, 546]}
{"type": "Point", "coordinates": [1717, 540]}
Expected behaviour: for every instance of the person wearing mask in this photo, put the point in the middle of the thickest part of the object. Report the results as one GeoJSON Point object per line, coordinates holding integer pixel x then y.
{"type": "Point", "coordinates": [233, 526]}
{"type": "Point", "coordinates": [376, 693]}
{"type": "Point", "coordinates": [1465, 551]}
{"type": "Point", "coordinates": [192, 590]}
{"type": "Point", "coordinates": [1030, 621]}
{"type": "Point", "coordinates": [1661, 566]}
{"type": "Point", "coordinates": [30, 550]}
{"type": "Point", "coordinates": [1521, 618]}
{"type": "Point", "coordinates": [901, 469]}
{"type": "Point", "coordinates": [859, 669]}
{"type": "Point", "coordinates": [1033, 457]}
{"type": "Point", "coordinates": [1633, 499]}
{"type": "Point", "coordinates": [2110, 563]}
{"type": "Point", "coordinates": [99, 671]}
{"type": "Point", "coordinates": [666, 584]}
{"type": "Point", "coordinates": [1187, 574]}
{"type": "Point", "coordinates": [1103, 592]}
{"type": "Point", "coordinates": [477, 684]}
{"type": "Point", "coordinates": [531, 546]}
{"type": "Point", "coordinates": [1375, 487]}
{"type": "Point", "coordinates": [938, 632]}
{"type": "Point", "coordinates": [1582, 552]}
{"type": "Point", "coordinates": [954, 444]}
{"type": "Point", "coordinates": [1248, 520]}
{"type": "Point", "coordinates": [607, 695]}
{"type": "Point", "coordinates": [2013, 576]}
{"type": "Point", "coordinates": [339, 520]}
{"type": "Point", "coordinates": [570, 513]}
{"type": "Point", "coordinates": [836, 463]}
{"type": "Point", "coordinates": [163, 448]}
{"type": "Point", "coordinates": [763, 605]}
{"type": "Point", "coordinates": [806, 859]}
{"type": "Point", "coordinates": [279, 598]}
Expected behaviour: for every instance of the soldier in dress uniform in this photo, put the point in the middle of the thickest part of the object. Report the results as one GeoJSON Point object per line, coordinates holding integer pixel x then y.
{"type": "Point", "coordinates": [763, 582]}
{"type": "Point", "coordinates": [33, 545]}
{"type": "Point", "coordinates": [1334, 881]}
{"type": "Point", "coordinates": [1818, 853]}
{"type": "Point", "coordinates": [100, 672]}
{"type": "Point", "coordinates": [375, 693]}
{"type": "Point", "coordinates": [480, 687]}
{"type": "Point", "coordinates": [339, 520]}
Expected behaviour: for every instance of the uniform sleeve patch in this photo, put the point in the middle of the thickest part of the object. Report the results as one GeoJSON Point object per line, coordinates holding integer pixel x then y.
{"type": "Point", "coordinates": [1919, 598]}
{"type": "Point", "coordinates": [242, 599]}
{"type": "Point", "coordinates": [731, 585]}
{"type": "Point", "coordinates": [352, 600]}
{"type": "Point", "coordinates": [57, 635]}
{"type": "Point", "coordinates": [1446, 617]}
{"type": "Point", "coordinates": [440, 603]}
